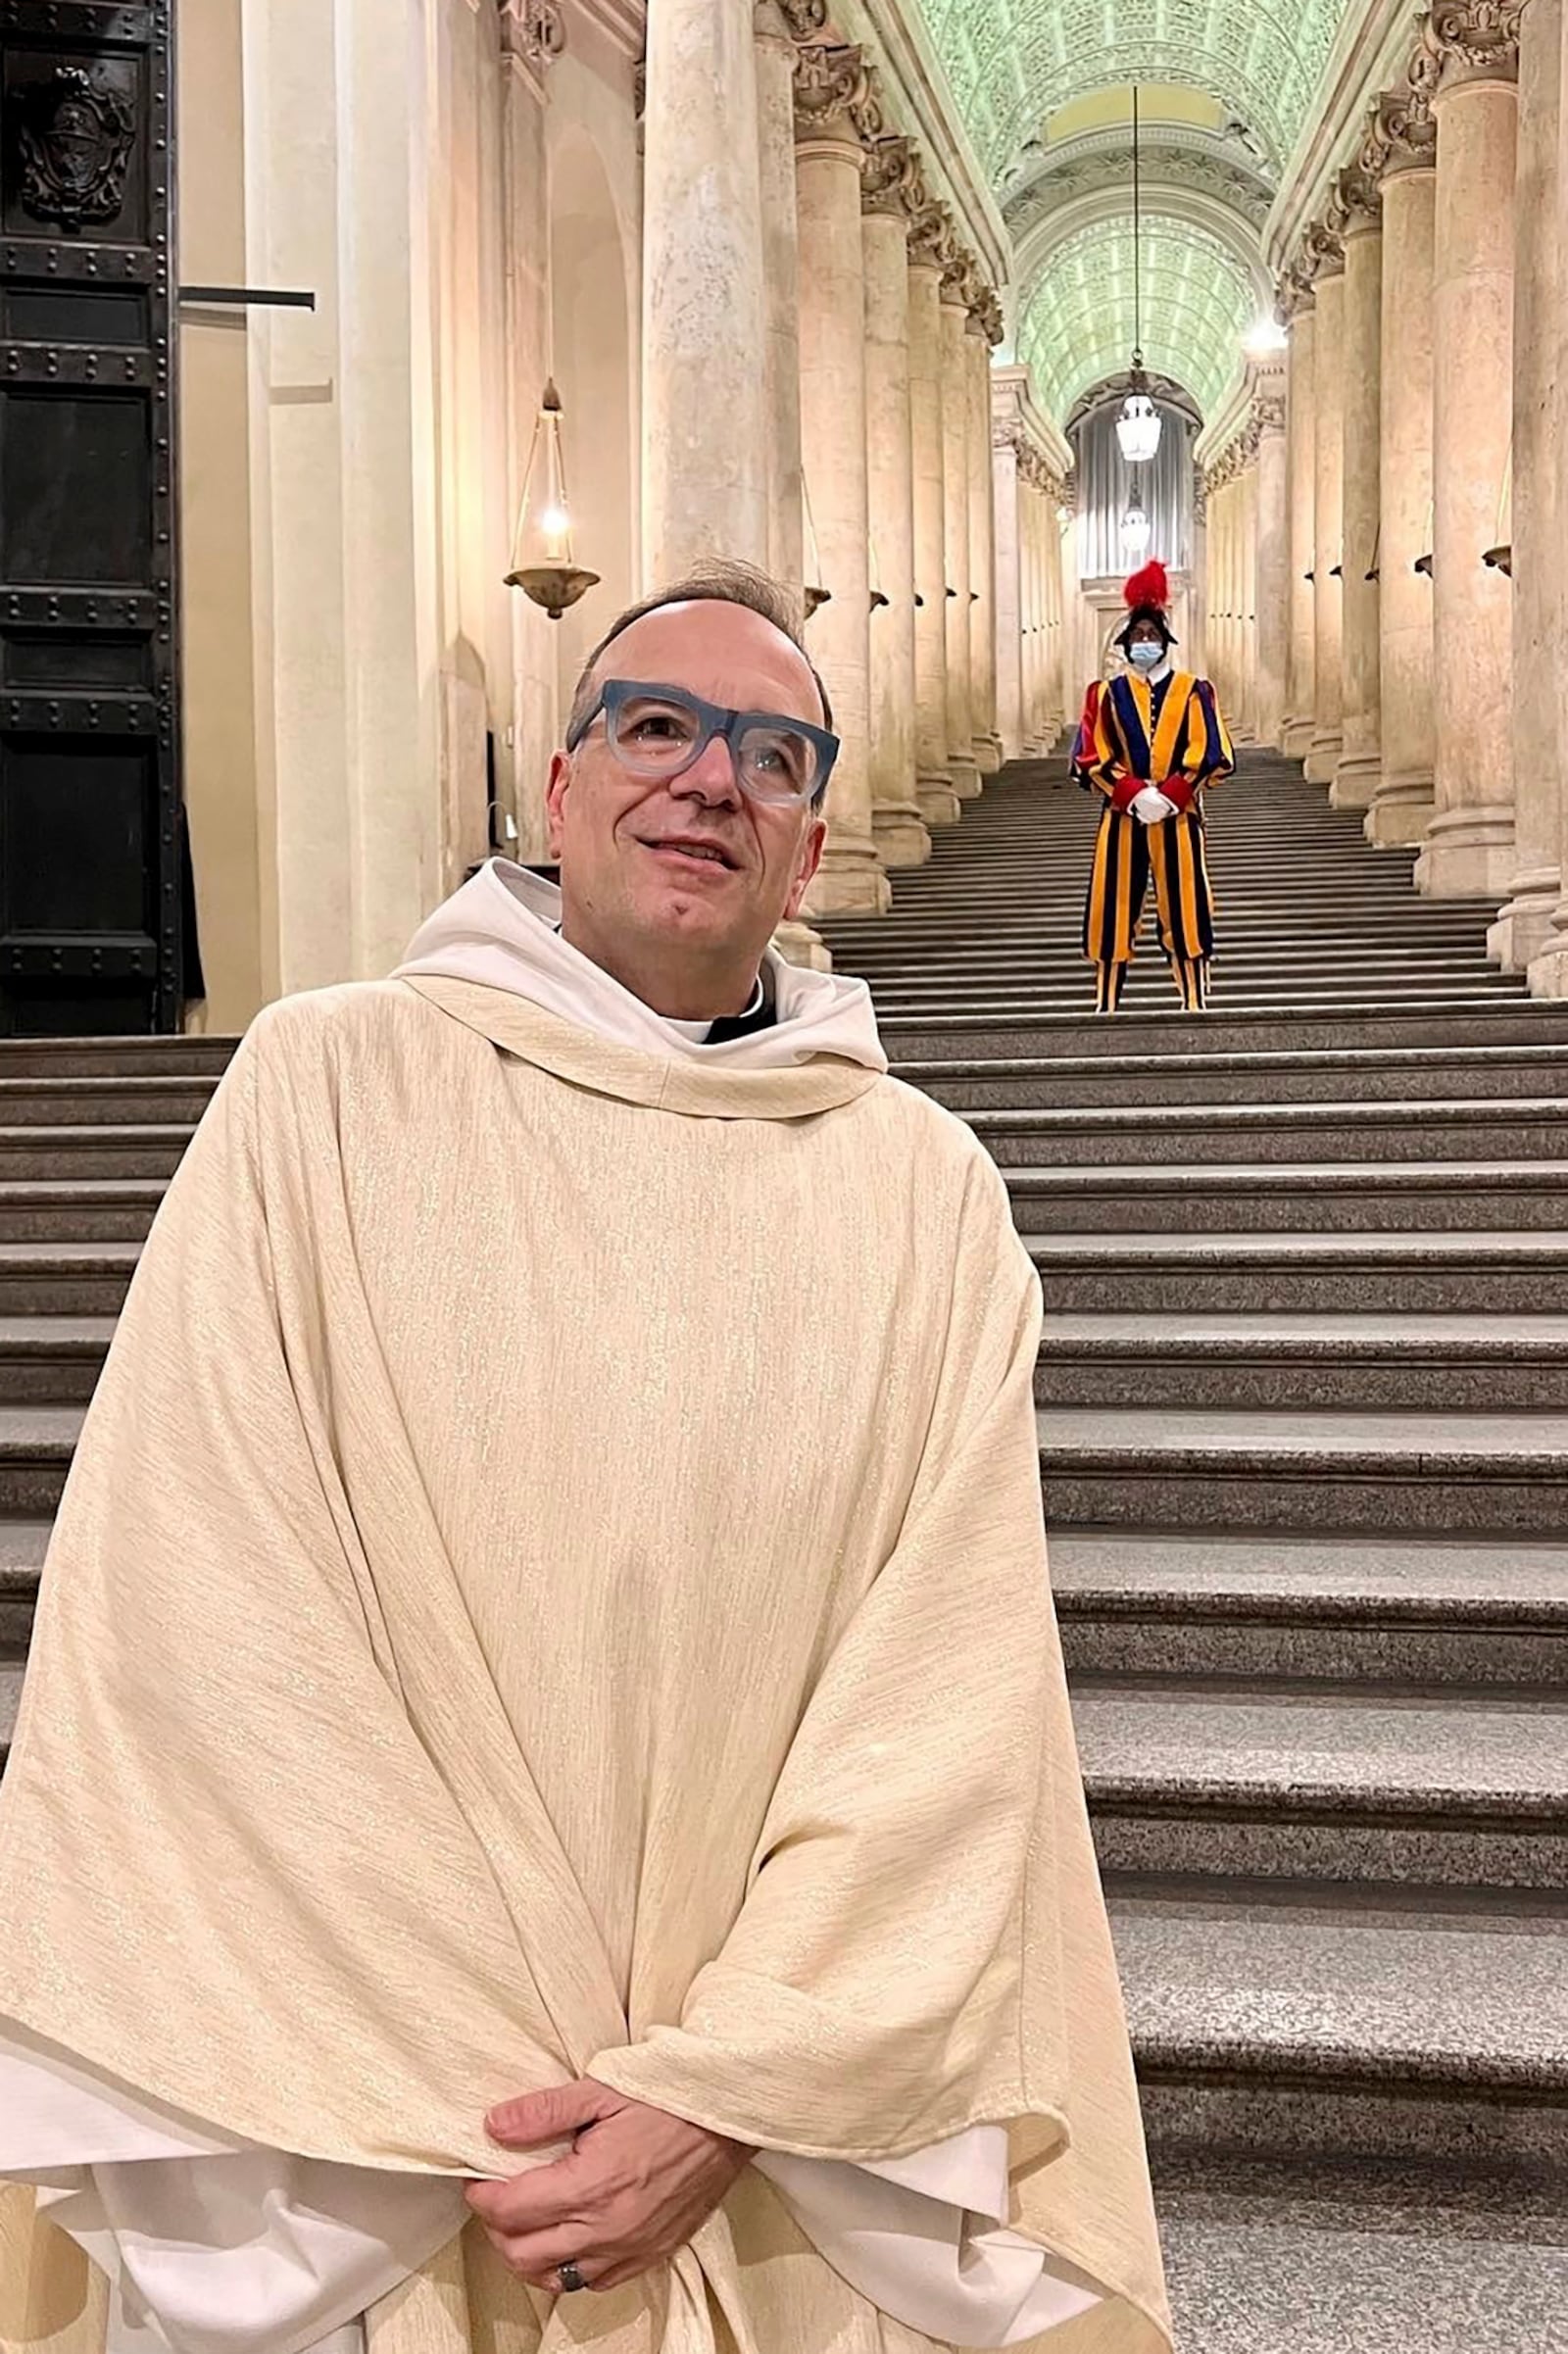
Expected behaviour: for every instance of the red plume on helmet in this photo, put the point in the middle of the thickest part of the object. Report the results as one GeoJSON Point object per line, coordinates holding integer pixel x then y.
{"type": "Point", "coordinates": [1149, 585]}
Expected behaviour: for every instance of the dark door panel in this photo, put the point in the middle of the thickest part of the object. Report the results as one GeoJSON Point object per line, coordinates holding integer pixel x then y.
{"type": "Point", "coordinates": [91, 826]}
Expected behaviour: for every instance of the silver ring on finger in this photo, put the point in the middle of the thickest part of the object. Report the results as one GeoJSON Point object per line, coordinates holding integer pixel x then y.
{"type": "Point", "coordinates": [571, 2277]}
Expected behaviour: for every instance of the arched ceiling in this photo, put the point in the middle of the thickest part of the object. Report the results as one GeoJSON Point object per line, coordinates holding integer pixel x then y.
{"type": "Point", "coordinates": [1044, 88]}
{"type": "Point", "coordinates": [1076, 325]}
{"type": "Point", "coordinates": [1014, 63]}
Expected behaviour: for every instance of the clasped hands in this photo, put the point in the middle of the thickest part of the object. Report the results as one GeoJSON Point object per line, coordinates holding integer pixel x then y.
{"type": "Point", "coordinates": [632, 2188]}
{"type": "Point", "coordinates": [1152, 806]}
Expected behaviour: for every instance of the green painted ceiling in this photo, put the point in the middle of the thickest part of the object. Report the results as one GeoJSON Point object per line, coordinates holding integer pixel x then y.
{"type": "Point", "coordinates": [1076, 323]}
{"type": "Point", "coordinates": [1013, 64]}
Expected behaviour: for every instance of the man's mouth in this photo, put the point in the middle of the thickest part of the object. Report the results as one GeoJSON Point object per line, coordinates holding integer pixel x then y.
{"type": "Point", "coordinates": [697, 854]}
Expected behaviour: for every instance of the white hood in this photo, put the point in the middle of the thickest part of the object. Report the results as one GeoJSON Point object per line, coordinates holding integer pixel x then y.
{"type": "Point", "coordinates": [499, 930]}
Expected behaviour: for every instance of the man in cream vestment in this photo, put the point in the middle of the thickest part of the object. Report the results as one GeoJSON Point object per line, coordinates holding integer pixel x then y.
{"type": "Point", "coordinates": [545, 1813]}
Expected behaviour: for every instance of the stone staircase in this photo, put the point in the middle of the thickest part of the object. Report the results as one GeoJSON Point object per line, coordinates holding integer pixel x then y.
{"type": "Point", "coordinates": [1303, 1426]}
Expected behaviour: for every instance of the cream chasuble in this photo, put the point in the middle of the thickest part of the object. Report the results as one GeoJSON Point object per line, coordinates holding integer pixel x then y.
{"type": "Point", "coordinates": [554, 1584]}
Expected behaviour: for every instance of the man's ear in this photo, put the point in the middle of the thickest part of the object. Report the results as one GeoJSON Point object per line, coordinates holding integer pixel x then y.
{"type": "Point", "coordinates": [555, 799]}
{"type": "Point", "coordinates": [809, 861]}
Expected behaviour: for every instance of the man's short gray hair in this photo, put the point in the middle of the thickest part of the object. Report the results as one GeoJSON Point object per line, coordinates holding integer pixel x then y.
{"type": "Point", "coordinates": [716, 583]}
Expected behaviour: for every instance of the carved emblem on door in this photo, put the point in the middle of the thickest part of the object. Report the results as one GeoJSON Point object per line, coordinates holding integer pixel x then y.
{"type": "Point", "coordinates": [76, 139]}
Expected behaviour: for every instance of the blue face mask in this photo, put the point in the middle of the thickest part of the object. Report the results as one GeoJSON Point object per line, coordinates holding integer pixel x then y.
{"type": "Point", "coordinates": [1146, 657]}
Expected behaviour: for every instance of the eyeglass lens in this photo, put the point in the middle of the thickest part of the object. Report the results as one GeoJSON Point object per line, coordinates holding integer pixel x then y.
{"type": "Point", "coordinates": [657, 735]}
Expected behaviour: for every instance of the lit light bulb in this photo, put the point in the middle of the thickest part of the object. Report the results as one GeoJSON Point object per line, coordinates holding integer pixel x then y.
{"type": "Point", "coordinates": [1265, 338]}
{"type": "Point", "coordinates": [556, 526]}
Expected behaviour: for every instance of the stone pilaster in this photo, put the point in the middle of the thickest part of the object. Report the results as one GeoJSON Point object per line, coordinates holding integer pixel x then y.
{"type": "Point", "coordinates": [1011, 609]}
{"type": "Point", "coordinates": [1549, 971]}
{"type": "Point", "coordinates": [1271, 567]}
{"type": "Point", "coordinates": [1301, 460]}
{"type": "Point", "coordinates": [1469, 850]}
{"type": "Point", "coordinates": [1361, 765]}
{"type": "Point", "coordinates": [705, 316]}
{"type": "Point", "coordinates": [892, 191]}
{"type": "Point", "coordinates": [836, 116]}
{"type": "Point", "coordinates": [1401, 147]}
{"type": "Point", "coordinates": [775, 132]}
{"type": "Point", "coordinates": [1328, 608]}
{"type": "Point", "coordinates": [938, 802]}
{"type": "Point", "coordinates": [982, 547]}
{"type": "Point", "coordinates": [1524, 926]}
{"type": "Point", "coordinates": [962, 770]}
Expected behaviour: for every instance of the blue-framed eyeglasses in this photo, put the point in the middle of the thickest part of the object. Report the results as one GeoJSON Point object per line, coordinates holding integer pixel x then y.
{"type": "Point", "coordinates": [658, 732]}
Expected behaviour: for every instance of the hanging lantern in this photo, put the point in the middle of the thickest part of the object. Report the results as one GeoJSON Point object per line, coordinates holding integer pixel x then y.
{"type": "Point", "coordinates": [542, 564]}
{"type": "Point", "coordinates": [1135, 533]}
{"type": "Point", "coordinates": [1139, 426]}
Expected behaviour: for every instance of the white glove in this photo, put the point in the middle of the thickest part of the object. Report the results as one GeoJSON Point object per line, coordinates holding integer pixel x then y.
{"type": "Point", "coordinates": [1152, 806]}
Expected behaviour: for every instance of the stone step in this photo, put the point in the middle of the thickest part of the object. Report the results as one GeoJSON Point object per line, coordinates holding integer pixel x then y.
{"type": "Point", "coordinates": [90, 1211]}
{"type": "Point", "coordinates": [1127, 1083]}
{"type": "Point", "coordinates": [9, 1703]}
{"type": "Point", "coordinates": [37, 1445]}
{"type": "Point", "coordinates": [1281, 2256]}
{"type": "Point", "coordinates": [1296, 2026]}
{"type": "Point", "coordinates": [1228, 1274]}
{"type": "Point", "coordinates": [23, 1546]}
{"type": "Point", "coordinates": [65, 1279]}
{"type": "Point", "coordinates": [1206, 1468]}
{"type": "Point", "coordinates": [1343, 1364]}
{"type": "Point", "coordinates": [1248, 943]}
{"type": "Point", "coordinates": [113, 1102]}
{"type": "Point", "coordinates": [1045, 987]}
{"type": "Point", "coordinates": [1426, 1130]}
{"type": "Point", "coordinates": [36, 1155]}
{"type": "Point", "coordinates": [1356, 1609]}
{"type": "Point", "coordinates": [1299, 1030]}
{"type": "Point", "coordinates": [52, 1360]}
{"type": "Point", "coordinates": [163, 1058]}
{"type": "Point", "coordinates": [1440, 1197]}
{"type": "Point", "coordinates": [1390, 1785]}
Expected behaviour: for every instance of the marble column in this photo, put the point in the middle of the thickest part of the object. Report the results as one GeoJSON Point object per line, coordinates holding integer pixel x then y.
{"type": "Point", "coordinates": [775, 125]}
{"type": "Point", "coordinates": [1250, 595]}
{"type": "Point", "coordinates": [1010, 622]}
{"type": "Point", "coordinates": [1271, 567]}
{"type": "Point", "coordinates": [1031, 650]}
{"type": "Point", "coordinates": [1361, 763]}
{"type": "Point", "coordinates": [962, 768]}
{"type": "Point", "coordinates": [938, 802]}
{"type": "Point", "coordinates": [833, 112]}
{"type": "Point", "coordinates": [1403, 805]}
{"type": "Point", "coordinates": [704, 318]}
{"type": "Point", "coordinates": [1328, 703]}
{"type": "Point", "coordinates": [890, 182]}
{"type": "Point", "coordinates": [1301, 440]}
{"type": "Point", "coordinates": [1549, 971]}
{"type": "Point", "coordinates": [1539, 610]}
{"type": "Point", "coordinates": [1469, 850]}
{"type": "Point", "coordinates": [982, 552]}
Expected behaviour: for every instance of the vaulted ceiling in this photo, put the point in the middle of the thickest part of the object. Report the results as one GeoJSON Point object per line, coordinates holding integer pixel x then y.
{"type": "Point", "coordinates": [1044, 88]}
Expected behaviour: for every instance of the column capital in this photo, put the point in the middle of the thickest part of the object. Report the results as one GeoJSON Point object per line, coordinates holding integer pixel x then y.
{"type": "Point", "coordinates": [891, 183]}
{"type": "Point", "coordinates": [1268, 414]}
{"type": "Point", "coordinates": [835, 96]}
{"type": "Point", "coordinates": [801, 20]}
{"type": "Point", "coordinates": [931, 239]}
{"type": "Point", "coordinates": [532, 32]}
{"type": "Point", "coordinates": [1358, 194]}
{"type": "Point", "coordinates": [1468, 40]}
{"type": "Point", "coordinates": [1401, 134]}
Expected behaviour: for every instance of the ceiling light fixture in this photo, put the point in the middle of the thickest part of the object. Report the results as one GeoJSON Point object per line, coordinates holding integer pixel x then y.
{"type": "Point", "coordinates": [1137, 428]}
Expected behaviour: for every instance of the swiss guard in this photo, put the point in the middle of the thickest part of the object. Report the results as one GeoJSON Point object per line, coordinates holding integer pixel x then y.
{"type": "Point", "coordinates": [1151, 741]}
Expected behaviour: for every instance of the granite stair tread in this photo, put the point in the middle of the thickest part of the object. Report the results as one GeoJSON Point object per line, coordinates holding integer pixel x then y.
{"type": "Point", "coordinates": [56, 1335]}
{"type": "Point", "coordinates": [1522, 1247]}
{"type": "Point", "coordinates": [1351, 1752]}
{"type": "Point", "coordinates": [10, 1702]}
{"type": "Point", "coordinates": [28, 1432]}
{"type": "Point", "coordinates": [1473, 1442]}
{"type": "Point", "coordinates": [1446, 1336]}
{"type": "Point", "coordinates": [1414, 1993]}
{"type": "Point", "coordinates": [1265, 2257]}
{"type": "Point", "coordinates": [1280, 1575]}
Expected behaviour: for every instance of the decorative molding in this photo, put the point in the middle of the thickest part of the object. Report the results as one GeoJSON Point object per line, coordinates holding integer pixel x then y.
{"type": "Point", "coordinates": [807, 20]}
{"type": "Point", "coordinates": [1178, 168]}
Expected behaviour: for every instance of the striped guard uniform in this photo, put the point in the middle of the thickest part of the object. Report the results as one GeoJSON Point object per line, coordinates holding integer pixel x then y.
{"type": "Point", "coordinates": [1134, 733]}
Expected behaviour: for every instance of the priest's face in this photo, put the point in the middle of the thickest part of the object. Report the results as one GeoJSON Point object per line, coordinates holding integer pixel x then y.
{"type": "Point", "coordinates": [676, 886]}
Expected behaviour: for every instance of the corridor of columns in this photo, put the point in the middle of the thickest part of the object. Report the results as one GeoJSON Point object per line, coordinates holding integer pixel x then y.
{"type": "Point", "coordinates": [850, 290]}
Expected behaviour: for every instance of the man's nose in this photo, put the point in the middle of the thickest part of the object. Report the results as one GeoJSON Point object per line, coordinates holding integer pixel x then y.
{"type": "Point", "coordinates": [711, 778]}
